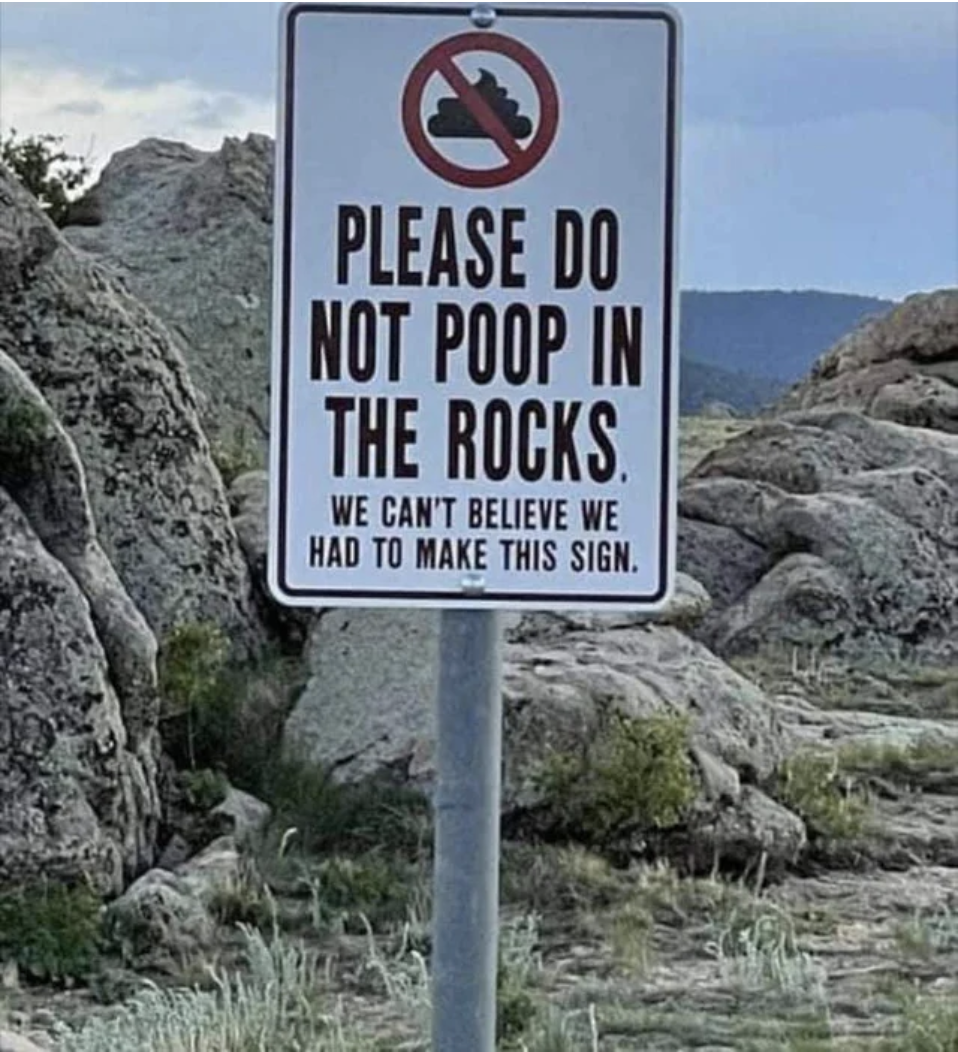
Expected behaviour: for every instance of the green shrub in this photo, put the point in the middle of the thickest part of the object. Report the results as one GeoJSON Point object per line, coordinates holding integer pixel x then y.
{"type": "Point", "coordinates": [518, 971]}
{"type": "Point", "coordinates": [191, 664]}
{"type": "Point", "coordinates": [333, 818]}
{"type": "Point", "coordinates": [50, 173]}
{"type": "Point", "coordinates": [548, 877]}
{"type": "Point", "coordinates": [23, 426]}
{"type": "Point", "coordinates": [832, 804]}
{"type": "Point", "coordinates": [205, 788]}
{"type": "Point", "coordinates": [929, 1023]}
{"type": "Point", "coordinates": [237, 456]}
{"type": "Point", "coordinates": [243, 900]}
{"type": "Point", "coordinates": [370, 888]}
{"type": "Point", "coordinates": [51, 931]}
{"type": "Point", "coordinates": [220, 714]}
{"type": "Point", "coordinates": [635, 776]}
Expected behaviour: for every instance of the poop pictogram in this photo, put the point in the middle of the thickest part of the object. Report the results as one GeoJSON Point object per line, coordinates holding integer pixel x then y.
{"type": "Point", "coordinates": [454, 119]}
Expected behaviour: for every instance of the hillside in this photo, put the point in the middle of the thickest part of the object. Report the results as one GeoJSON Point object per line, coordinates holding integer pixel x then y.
{"type": "Point", "coordinates": [700, 383]}
{"type": "Point", "coordinates": [770, 334]}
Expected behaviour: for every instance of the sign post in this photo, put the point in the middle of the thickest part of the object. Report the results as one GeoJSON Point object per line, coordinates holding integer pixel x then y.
{"type": "Point", "coordinates": [466, 880]}
{"type": "Point", "coordinates": [474, 373]}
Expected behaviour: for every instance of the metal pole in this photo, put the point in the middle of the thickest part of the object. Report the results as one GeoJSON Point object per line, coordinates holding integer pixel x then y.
{"type": "Point", "coordinates": [466, 903]}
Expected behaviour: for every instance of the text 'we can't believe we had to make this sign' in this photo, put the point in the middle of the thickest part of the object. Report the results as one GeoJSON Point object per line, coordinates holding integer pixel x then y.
{"type": "Point", "coordinates": [474, 385]}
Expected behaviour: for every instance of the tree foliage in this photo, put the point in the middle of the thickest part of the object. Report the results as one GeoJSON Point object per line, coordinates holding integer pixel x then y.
{"type": "Point", "coordinates": [46, 169]}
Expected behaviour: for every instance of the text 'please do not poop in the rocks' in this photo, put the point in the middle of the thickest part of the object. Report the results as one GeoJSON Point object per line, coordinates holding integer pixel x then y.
{"type": "Point", "coordinates": [480, 375]}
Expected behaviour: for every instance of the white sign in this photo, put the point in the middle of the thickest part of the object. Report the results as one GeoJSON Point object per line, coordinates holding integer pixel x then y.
{"type": "Point", "coordinates": [474, 382]}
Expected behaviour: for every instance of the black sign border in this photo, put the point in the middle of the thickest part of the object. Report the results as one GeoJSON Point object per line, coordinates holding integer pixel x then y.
{"type": "Point", "coordinates": [454, 597]}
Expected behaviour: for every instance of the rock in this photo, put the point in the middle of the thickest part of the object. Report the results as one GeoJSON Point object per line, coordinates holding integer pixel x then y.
{"type": "Point", "coordinates": [802, 601]}
{"type": "Point", "coordinates": [175, 853]}
{"type": "Point", "coordinates": [10, 1042]}
{"type": "Point", "coordinates": [720, 782]}
{"type": "Point", "coordinates": [715, 410]}
{"type": "Point", "coordinates": [689, 604]}
{"type": "Point", "coordinates": [166, 916]}
{"type": "Point", "coordinates": [191, 234]}
{"type": "Point", "coordinates": [158, 919]}
{"type": "Point", "coordinates": [720, 555]}
{"type": "Point", "coordinates": [555, 691]}
{"type": "Point", "coordinates": [899, 367]}
{"type": "Point", "coordinates": [78, 707]}
{"type": "Point", "coordinates": [249, 505]}
{"type": "Point", "coordinates": [247, 816]}
{"type": "Point", "coordinates": [368, 706]}
{"type": "Point", "coordinates": [563, 676]}
{"type": "Point", "coordinates": [116, 381]}
{"type": "Point", "coordinates": [41, 471]}
{"type": "Point", "coordinates": [755, 831]}
{"type": "Point", "coordinates": [845, 536]}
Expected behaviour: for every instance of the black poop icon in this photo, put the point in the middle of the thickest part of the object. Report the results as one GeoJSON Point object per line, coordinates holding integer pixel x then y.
{"type": "Point", "coordinates": [454, 120]}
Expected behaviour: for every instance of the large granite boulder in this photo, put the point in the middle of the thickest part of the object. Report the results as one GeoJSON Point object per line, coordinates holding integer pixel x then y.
{"type": "Point", "coordinates": [368, 706]}
{"type": "Point", "coordinates": [828, 529]}
{"type": "Point", "coordinates": [78, 702]}
{"type": "Point", "coordinates": [191, 234]}
{"type": "Point", "coordinates": [116, 380]}
{"type": "Point", "coordinates": [370, 711]}
{"type": "Point", "coordinates": [901, 367]}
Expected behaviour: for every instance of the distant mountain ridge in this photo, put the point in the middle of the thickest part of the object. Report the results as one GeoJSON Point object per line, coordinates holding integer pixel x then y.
{"type": "Point", "coordinates": [745, 348]}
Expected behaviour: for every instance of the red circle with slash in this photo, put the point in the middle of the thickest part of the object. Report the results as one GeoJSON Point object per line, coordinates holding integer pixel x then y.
{"type": "Point", "coordinates": [519, 161]}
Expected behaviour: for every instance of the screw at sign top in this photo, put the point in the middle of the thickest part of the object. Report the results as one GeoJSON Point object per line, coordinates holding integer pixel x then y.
{"type": "Point", "coordinates": [483, 16]}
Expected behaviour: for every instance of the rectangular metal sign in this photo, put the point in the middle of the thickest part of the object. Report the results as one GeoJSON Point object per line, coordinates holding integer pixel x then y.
{"type": "Point", "coordinates": [474, 380]}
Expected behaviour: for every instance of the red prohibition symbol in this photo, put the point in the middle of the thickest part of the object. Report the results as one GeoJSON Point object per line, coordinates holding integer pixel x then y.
{"type": "Point", "coordinates": [519, 160]}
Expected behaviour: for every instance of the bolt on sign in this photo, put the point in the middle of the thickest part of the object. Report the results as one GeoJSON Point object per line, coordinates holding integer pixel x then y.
{"type": "Point", "coordinates": [474, 380]}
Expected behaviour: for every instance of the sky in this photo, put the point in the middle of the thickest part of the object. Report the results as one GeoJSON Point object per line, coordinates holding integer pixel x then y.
{"type": "Point", "coordinates": [819, 142]}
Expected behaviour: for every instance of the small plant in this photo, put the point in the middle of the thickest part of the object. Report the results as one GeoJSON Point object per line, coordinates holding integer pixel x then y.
{"type": "Point", "coordinates": [190, 665]}
{"type": "Point", "coordinates": [23, 427]}
{"type": "Point", "coordinates": [929, 1024]}
{"type": "Point", "coordinates": [205, 789]}
{"type": "Point", "coordinates": [51, 174]}
{"type": "Point", "coordinates": [372, 887]}
{"type": "Point", "coordinates": [334, 818]}
{"type": "Point", "coordinates": [763, 955]}
{"type": "Point", "coordinates": [907, 765]}
{"type": "Point", "coordinates": [237, 456]}
{"type": "Point", "coordinates": [518, 972]}
{"type": "Point", "coordinates": [243, 900]}
{"type": "Point", "coordinates": [51, 931]}
{"type": "Point", "coordinates": [556, 1031]}
{"type": "Point", "coordinates": [831, 802]}
{"type": "Point", "coordinates": [635, 776]}
{"type": "Point", "coordinates": [630, 933]}
{"type": "Point", "coordinates": [559, 877]}
{"type": "Point", "coordinates": [274, 1005]}
{"type": "Point", "coordinates": [925, 935]}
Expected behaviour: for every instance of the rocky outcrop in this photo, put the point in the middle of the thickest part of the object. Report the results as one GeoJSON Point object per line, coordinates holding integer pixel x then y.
{"type": "Point", "coordinates": [828, 529]}
{"type": "Point", "coordinates": [116, 381]}
{"type": "Point", "coordinates": [249, 506]}
{"type": "Point", "coordinates": [564, 676]}
{"type": "Point", "coordinates": [165, 917]}
{"type": "Point", "coordinates": [901, 367]}
{"type": "Point", "coordinates": [368, 706]}
{"type": "Point", "coordinates": [78, 702]}
{"type": "Point", "coordinates": [191, 234]}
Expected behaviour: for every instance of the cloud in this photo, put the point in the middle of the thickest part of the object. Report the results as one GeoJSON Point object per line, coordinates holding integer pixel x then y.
{"type": "Point", "coordinates": [83, 107]}
{"type": "Point", "coordinates": [96, 116]}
